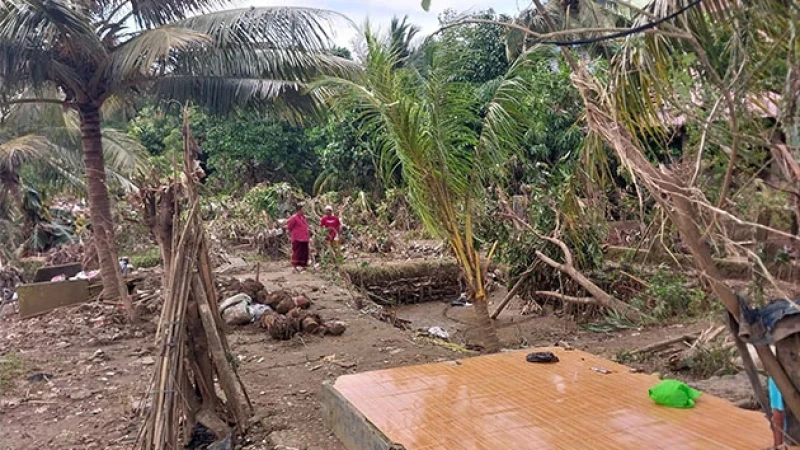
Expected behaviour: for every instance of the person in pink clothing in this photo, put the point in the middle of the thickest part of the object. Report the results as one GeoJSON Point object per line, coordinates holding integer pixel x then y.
{"type": "Point", "coordinates": [300, 235]}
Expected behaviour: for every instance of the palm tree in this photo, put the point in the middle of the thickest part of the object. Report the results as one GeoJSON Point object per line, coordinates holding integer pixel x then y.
{"type": "Point", "coordinates": [427, 127]}
{"type": "Point", "coordinates": [584, 15]}
{"type": "Point", "coordinates": [93, 50]}
{"type": "Point", "coordinates": [401, 35]}
{"type": "Point", "coordinates": [45, 140]}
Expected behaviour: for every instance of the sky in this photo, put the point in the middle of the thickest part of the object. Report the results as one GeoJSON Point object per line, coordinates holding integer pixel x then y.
{"type": "Point", "coordinates": [380, 12]}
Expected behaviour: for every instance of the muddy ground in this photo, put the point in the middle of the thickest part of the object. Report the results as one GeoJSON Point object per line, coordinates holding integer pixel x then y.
{"type": "Point", "coordinates": [74, 379]}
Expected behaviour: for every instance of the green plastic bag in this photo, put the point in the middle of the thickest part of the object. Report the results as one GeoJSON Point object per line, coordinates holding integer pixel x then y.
{"type": "Point", "coordinates": [675, 394]}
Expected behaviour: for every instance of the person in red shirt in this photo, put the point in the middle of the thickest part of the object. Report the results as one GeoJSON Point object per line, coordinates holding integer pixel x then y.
{"type": "Point", "coordinates": [332, 223]}
{"type": "Point", "coordinates": [334, 226]}
{"type": "Point", "coordinates": [300, 235]}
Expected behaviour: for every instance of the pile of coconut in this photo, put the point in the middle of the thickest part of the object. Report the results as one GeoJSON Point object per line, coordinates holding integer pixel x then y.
{"type": "Point", "coordinates": [282, 314]}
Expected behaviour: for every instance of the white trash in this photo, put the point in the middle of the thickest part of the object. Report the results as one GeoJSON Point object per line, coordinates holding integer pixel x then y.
{"type": "Point", "coordinates": [257, 310]}
{"type": "Point", "coordinates": [236, 310]}
{"type": "Point", "coordinates": [439, 332]}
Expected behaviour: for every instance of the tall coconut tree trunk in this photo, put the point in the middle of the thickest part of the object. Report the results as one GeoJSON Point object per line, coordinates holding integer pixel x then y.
{"type": "Point", "coordinates": [100, 206]}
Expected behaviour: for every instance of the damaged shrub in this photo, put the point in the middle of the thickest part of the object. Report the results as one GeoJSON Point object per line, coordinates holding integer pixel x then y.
{"type": "Point", "coordinates": [667, 296]}
{"type": "Point", "coordinates": [277, 200]}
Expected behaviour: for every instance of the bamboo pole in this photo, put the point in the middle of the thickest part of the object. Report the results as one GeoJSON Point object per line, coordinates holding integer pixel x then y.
{"type": "Point", "coordinates": [190, 338]}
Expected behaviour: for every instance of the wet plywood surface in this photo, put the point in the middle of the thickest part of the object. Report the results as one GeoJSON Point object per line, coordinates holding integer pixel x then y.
{"type": "Point", "coordinates": [501, 401]}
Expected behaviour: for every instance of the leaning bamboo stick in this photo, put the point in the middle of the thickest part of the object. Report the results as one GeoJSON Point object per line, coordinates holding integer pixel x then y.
{"type": "Point", "coordinates": [224, 371]}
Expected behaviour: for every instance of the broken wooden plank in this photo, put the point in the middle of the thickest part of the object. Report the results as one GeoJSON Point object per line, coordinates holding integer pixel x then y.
{"type": "Point", "coordinates": [665, 343]}
{"type": "Point", "coordinates": [39, 298]}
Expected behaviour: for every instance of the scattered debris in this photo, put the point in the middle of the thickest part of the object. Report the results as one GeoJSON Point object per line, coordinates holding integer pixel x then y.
{"type": "Point", "coordinates": [40, 376]}
{"type": "Point", "coordinates": [461, 301]}
{"type": "Point", "coordinates": [439, 332]}
{"type": "Point", "coordinates": [236, 310]}
{"type": "Point", "coordinates": [565, 345]}
{"type": "Point", "coordinates": [146, 361]}
{"type": "Point", "coordinates": [675, 394]}
{"type": "Point", "coordinates": [601, 370]}
{"type": "Point", "coordinates": [80, 395]}
{"type": "Point", "coordinates": [390, 317]}
{"type": "Point", "coordinates": [99, 355]}
{"type": "Point", "coordinates": [541, 357]}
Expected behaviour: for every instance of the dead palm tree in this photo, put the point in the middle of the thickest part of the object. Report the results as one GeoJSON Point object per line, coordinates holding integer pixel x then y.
{"type": "Point", "coordinates": [93, 50]}
{"type": "Point", "coordinates": [426, 126]}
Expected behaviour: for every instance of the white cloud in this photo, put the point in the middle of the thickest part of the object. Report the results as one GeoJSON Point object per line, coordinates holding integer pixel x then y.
{"type": "Point", "coordinates": [380, 12]}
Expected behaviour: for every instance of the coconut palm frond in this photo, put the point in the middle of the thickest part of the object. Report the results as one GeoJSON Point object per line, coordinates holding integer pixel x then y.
{"type": "Point", "coordinates": [140, 56]}
{"type": "Point", "coordinates": [278, 64]}
{"type": "Point", "coordinates": [578, 14]}
{"type": "Point", "coordinates": [223, 94]}
{"type": "Point", "coordinates": [152, 13]}
{"type": "Point", "coordinates": [223, 80]}
{"type": "Point", "coordinates": [22, 150]}
{"type": "Point", "coordinates": [55, 151]}
{"type": "Point", "coordinates": [121, 108]}
{"type": "Point", "coordinates": [663, 80]}
{"type": "Point", "coordinates": [124, 155]}
{"type": "Point", "coordinates": [507, 117]}
{"type": "Point", "coordinates": [32, 25]}
{"type": "Point", "coordinates": [298, 29]}
{"type": "Point", "coordinates": [401, 37]}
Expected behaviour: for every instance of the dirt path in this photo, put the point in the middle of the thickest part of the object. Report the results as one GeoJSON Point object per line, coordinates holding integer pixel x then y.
{"type": "Point", "coordinates": [96, 368]}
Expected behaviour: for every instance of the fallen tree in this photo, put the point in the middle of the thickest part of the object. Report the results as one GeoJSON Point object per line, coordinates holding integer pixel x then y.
{"type": "Point", "coordinates": [597, 296]}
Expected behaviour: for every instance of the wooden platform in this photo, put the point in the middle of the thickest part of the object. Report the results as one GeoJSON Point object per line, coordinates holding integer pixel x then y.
{"type": "Point", "coordinates": [503, 402]}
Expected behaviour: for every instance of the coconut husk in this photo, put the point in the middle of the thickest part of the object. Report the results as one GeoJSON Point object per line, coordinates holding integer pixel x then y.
{"type": "Point", "coordinates": [301, 301]}
{"type": "Point", "coordinates": [251, 287]}
{"type": "Point", "coordinates": [277, 325]}
{"type": "Point", "coordinates": [285, 305]}
{"type": "Point", "coordinates": [262, 297]}
{"type": "Point", "coordinates": [310, 325]}
{"type": "Point", "coordinates": [276, 297]}
{"type": "Point", "coordinates": [228, 287]}
{"type": "Point", "coordinates": [335, 328]}
{"type": "Point", "coordinates": [305, 321]}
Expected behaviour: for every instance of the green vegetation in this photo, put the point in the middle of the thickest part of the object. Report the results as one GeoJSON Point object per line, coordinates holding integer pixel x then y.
{"type": "Point", "coordinates": [151, 257]}
{"type": "Point", "coordinates": [12, 366]}
{"type": "Point", "coordinates": [710, 361]}
{"type": "Point", "coordinates": [442, 137]}
{"type": "Point", "coordinates": [667, 297]}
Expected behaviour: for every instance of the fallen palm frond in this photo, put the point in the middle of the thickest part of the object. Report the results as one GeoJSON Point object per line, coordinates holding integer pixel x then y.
{"type": "Point", "coordinates": [191, 340]}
